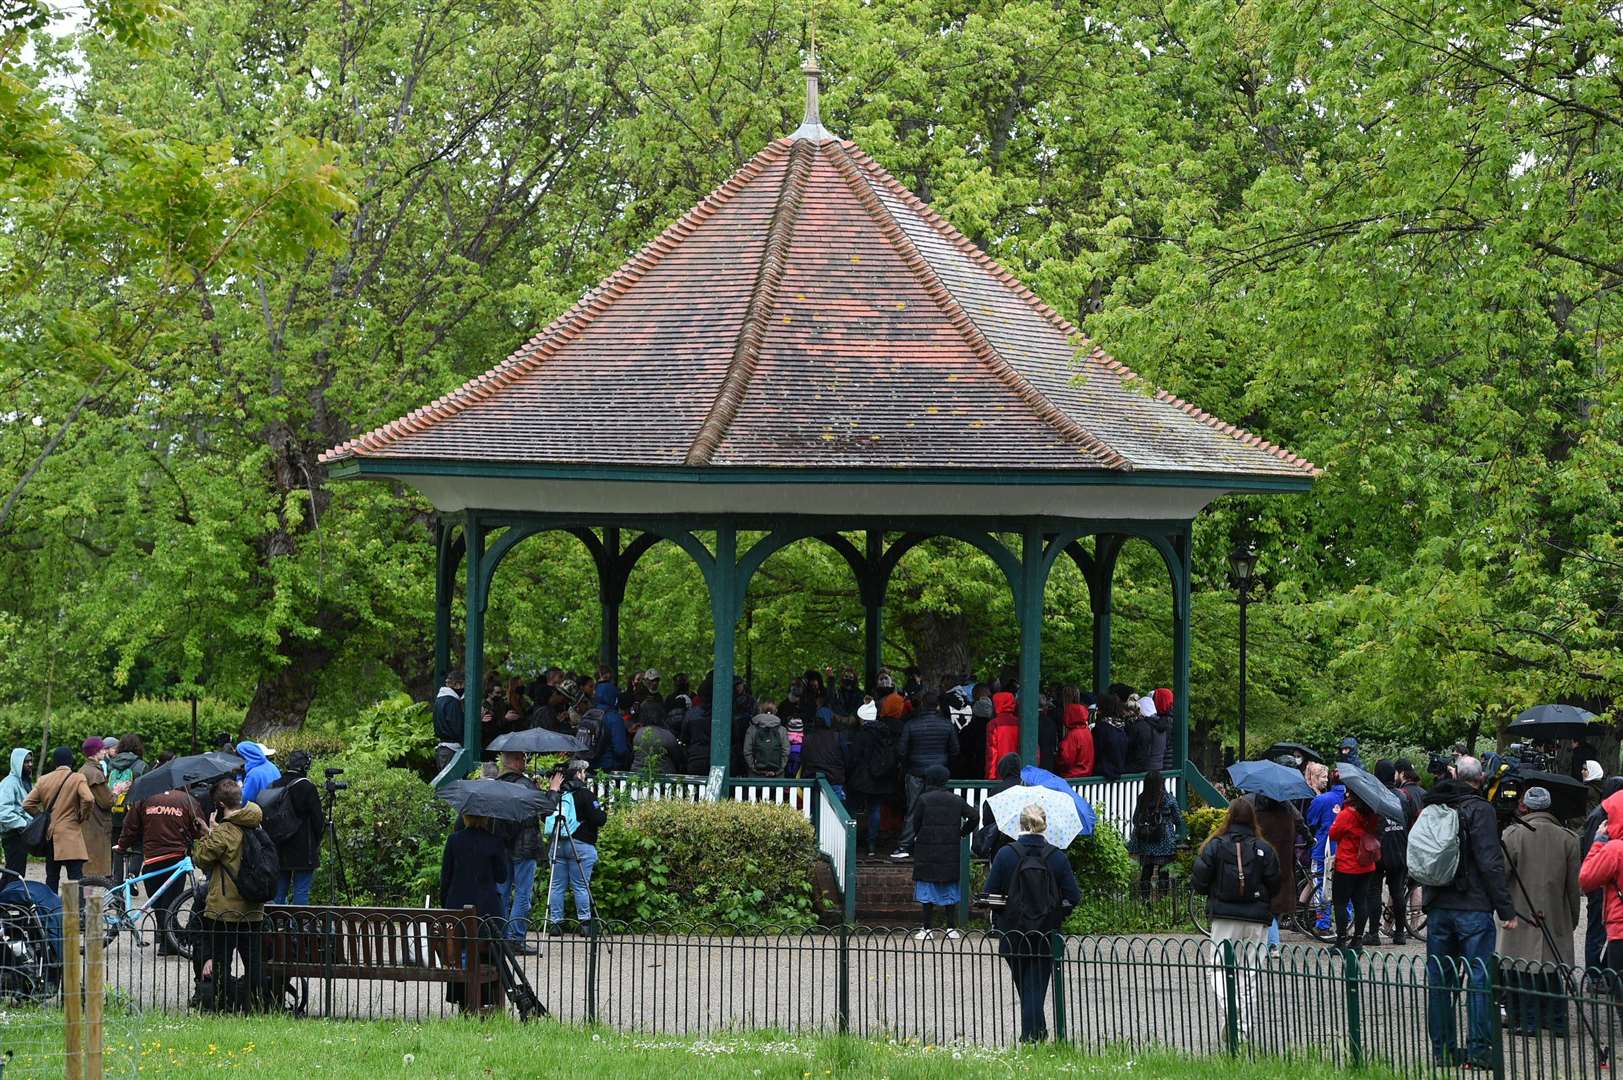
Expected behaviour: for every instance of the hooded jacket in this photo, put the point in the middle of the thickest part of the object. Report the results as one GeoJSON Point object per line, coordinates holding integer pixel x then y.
{"type": "Point", "coordinates": [1482, 883]}
{"type": "Point", "coordinates": [616, 739]}
{"type": "Point", "coordinates": [448, 716]}
{"type": "Point", "coordinates": [1602, 869]}
{"type": "Point", "coordinates": [940, 820]}
{"type": "Point", "coordinates": [261, 773]}
{"type": "Point", "coordinates": [13, 790]}
{"type": "Point", "coordinates": [766, 730]}
{"type": "Point", "coordinates": [696, 735]}
{"type": "Point", "coordinates": [1003, 733]}
{"type": "Point", "coordinates": [1076, 747]}
{"type": "Point", "coordinates": [1348, 751]}
{"type": "Point", "coordinates": [1321, 814]}
{"type": "Point", "coordinates": [223, 847]}
{"type": "Point", "coordinates": [1348, 831]}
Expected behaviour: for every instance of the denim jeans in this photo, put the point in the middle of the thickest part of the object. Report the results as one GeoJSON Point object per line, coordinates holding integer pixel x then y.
{"type": "Point", "coordinates": [573, 870]}
{"type": "Point", "coordinates": [1031, 975]}
{"type": "Point", "coordinates": [295, 883]}
{"type": "Point", "coordinates": [866, 809]}
{"type": "Point", "coordinates": [518, 893]}
{"type": "Point", "coordinates": [1451, 937]}
{"type": "Point", "coordinates": [915, 788]}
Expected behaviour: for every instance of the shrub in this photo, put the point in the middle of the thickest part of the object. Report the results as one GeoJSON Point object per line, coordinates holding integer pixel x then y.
{"type": "Point", "coordinates": [162, 724]}
{"type": "Point", "coordinates": [732, 864]}
{"type": "Point", "coordinates": [392, 829]}
{"type": "Point", "coordinates": [1101, 861]}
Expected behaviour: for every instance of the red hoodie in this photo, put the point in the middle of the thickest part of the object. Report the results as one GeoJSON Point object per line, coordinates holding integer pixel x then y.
{"type": "Point", "coordinates": [1003, 733]}
{"type": "Point", "coordinates": [1076, 748]}
{"type": "Point", "coordinates": [1353, 856]}
{"type": "Point", "coordinates": [1603, 867]}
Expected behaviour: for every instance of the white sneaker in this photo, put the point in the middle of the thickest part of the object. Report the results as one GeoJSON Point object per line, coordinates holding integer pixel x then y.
{"type": "Point", "coordinates": [899, 855]}
{"type": "Point", "coordinates": [921, 935]}
{"type": "Point", "coordinates": [953, 935]}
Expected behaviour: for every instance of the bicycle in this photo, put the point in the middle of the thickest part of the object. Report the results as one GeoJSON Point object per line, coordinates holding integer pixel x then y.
{"type": "Point", "coordinates": [119, 913]}
{"type": "Point", "coordinates": [1416, 916]}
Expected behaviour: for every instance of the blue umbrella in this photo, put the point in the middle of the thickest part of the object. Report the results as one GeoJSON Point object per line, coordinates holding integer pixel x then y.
{"type": "Point", "coordinates": [1035, 777]}
{"type": "Point", "coordinates": [1279, 782]}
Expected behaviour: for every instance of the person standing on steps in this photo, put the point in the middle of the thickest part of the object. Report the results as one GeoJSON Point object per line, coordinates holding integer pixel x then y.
{"type": "Point", "coordinates": [940, 822]}
{"type": "Point", "coordinates": [448, 719]}
{"type": "Point", "coordinates": [872, 774]}
{"type": "Point", "coordinates": [929, 741]}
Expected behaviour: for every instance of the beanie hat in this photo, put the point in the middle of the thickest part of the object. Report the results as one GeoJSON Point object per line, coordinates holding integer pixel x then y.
{"type": "Point", "coordinates": [91, 747]}
{"type": "Point", "coordinates": [1536, 798]}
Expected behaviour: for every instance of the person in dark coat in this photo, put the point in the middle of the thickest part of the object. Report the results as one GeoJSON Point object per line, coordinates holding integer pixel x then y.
{"type": "Point", "coordinates": [1048, 733]}
{"type": "Point", "coordinates": [823, 751]}
{"type": "Point", "coordinates": [616, 743]}
{"type": "Point", "coordinates": [1157, 828]}
{"type": "Point", "coordinates": [1008, 775]}
{"type": "Point", "coordinates": [300, 853]}
{"type": "Point", "coordinates": [695, 732]}
{"type": "Point", "coordinates": [940, 821]}
{"type": "Point", "coordinates": [871, 777]}
{"type": "Point", "coordinates": [448, 719]}
{"type": "Point", "coordinates": [929, 741]}
{"type": "Point", "coordinates": [524, 848]}
{"type": "Point", "coordinates": [1030, 955]}
{"type": "Point", "coordinates": [1109, 740]}
{"type": "Point", "coordinates": [1238, 872]}
{"type": "Point", "coordinates": [473, 868]}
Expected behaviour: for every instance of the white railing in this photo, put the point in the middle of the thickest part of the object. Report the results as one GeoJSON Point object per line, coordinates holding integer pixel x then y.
{"type": "Point", "coordinates": [799, 794]}
{"type": "Point", "coordinates": [637, 788]}
{"type": "Point", "coordinates": [836, 839]}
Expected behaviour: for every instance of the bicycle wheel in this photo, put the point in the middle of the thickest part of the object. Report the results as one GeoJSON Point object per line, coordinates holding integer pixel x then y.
{"type": "Point", "coordinates": [182, 928]}
{"type": "Point", "coordinates": [1197, 914]}
{"type": "Point", "coordinates": [1417, 915]}
{"type": "Point", "coordinates": [1309, 910]}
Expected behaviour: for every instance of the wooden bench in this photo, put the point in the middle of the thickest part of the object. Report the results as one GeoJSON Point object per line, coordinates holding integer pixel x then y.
{"type": "Point", "coordinates": [396, 944]}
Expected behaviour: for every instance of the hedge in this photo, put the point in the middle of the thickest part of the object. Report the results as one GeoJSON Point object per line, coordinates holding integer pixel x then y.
{"type": "Point", "coordinates": [162, 724]}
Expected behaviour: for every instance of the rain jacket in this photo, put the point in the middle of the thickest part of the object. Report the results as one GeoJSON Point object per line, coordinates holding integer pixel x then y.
{"type": "Point", "coordinates": [1076, 748]}
{"type": "Point", "coordinates": [617, 740]}
{"type": "Point", "coordinates": [13, 790]}
{"type": "Point", "coordinates": [1349, 831]}
{"type": "Point", "coordinates": [261, 773]}
{"type": "Point", "coordinates": [1483, 882]}
{"type": "Point", "coordinates": [1003, 733]}
{"type": "Point", "coordinates": [1321, 814]}
{"type": "Point", "coordinates": [1109, 749]}
{"type": "Point", "coordinates": [766, 728]}
{"type": "Point", "coordinates": [1603, 867]}
{"type": "Point", "coordinates": [223, 847]}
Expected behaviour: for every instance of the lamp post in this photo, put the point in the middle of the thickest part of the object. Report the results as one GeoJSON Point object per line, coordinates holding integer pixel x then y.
{"type": "Point", "coordinates": [1242, 561]}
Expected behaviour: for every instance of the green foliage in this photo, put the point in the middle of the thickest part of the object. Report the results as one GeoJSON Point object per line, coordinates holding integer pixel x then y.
{"type": "Point", "coordinates": [162, 725]}
{"type": "Point", "coordinates": [731, 864]}
{"type": "Point", "coordinates": [393, 832]}
{"type": "Point", "coordinates": [1101, 862]}
{"type": "Point", "coordinates": [1124, 913]}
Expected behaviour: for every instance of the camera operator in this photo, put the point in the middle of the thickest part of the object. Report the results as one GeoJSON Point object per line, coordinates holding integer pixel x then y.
{"type": "Point", "coordinates": [299, 853]}
{"type": "Point", "coordinates": [571, 834]}
{"type": "Point", "coordinates": [1460, 919]}
{"type": "Point", "coordinates": [523, 840]}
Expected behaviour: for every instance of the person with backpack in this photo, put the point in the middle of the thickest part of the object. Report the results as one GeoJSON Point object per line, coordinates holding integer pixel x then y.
{"type": "Point", "coordinates": [1238, 872]}
{"type": "Point", "coordinates": [871, 778]}
{"type": "Point", "coordinates": [1157, 828]}
{"type": "Point", "coordinates": [1454, 854]}
{"type": "Point", "coordinates": [940, 822]}
{"type": "Point", "coordinates": [929, 740]}
{"type": "Point", "coordinates": [294, 821]}
{"type": "Point", "coordinates": [162, 828]}
{"type": "Point", "coordinates": [261, 773]}
{"type": "Point", "coordinates": [611, 742]}
{"type": "Point", "coordinates": [245, 871]}
{"type": "Point", "coordinates": [123, 769]}
{"type": "Point", "coordinates": [1356, 833]}
{"type": "Point", "coordinates": [1031, 889]}
{"type": "Point", "coordinates": [570, 834]}
{"type": "Point", "coordinates": [766, 746]}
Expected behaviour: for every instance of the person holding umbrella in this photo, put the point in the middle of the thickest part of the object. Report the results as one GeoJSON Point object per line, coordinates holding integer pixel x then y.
{"type": "Point", "coordinates": [1275, 788]}
{"type": "Point", "coordinates": [1357, 835]}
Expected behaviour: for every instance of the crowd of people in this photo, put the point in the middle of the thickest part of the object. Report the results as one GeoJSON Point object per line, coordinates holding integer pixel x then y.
{"type": "Point", "coordinates": [875, 745]}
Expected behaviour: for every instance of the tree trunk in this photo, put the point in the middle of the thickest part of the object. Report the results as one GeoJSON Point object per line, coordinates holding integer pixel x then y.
{"type": "Point", "coordinates": [283, 697]}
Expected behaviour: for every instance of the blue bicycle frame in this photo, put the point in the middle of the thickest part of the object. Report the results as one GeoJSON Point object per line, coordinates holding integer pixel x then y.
{"type": "Point", "coordinates": [126, 913]}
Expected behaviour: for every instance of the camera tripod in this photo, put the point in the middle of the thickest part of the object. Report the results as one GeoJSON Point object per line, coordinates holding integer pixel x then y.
{"type": "Point", "coordinates": [553, 847]}
{"type": "Point", "coordinates": [330, 792]}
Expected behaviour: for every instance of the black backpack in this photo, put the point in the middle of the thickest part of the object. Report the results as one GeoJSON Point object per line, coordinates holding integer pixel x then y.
{"type": "Point", "coordinates": [590, 733]}
{"type": "Point", "coordinates": [281, 820]}
{"type": "Point", "coordinates": [1239, 871]}
{"type": "Point", "coordinates": [259, 870]}
{"type": "Point", "coordinates": [1149, 829]}
{"type": "Point", "coordinates": [1033, 902]}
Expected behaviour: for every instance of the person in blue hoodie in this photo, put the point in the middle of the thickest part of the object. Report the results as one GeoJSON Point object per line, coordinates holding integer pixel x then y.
{"type": "Point", "coordinates": [261, 773]}
{"type": "Point", "coordinates": [1321, 814]}
{"type": "Point", "coordinates": [13, 818]}
{"type": "Point", "coordinates": [616, 741]}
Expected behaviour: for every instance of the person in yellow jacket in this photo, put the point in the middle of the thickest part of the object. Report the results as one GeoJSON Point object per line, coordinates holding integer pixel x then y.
{"type": "Point", "coordinates": [231, 925]}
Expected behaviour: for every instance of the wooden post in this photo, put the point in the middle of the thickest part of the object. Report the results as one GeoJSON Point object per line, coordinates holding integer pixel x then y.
{"type": "Point", "coordinates": [72, 940]}
{"type": "Point", "coordinates": [95, 986]}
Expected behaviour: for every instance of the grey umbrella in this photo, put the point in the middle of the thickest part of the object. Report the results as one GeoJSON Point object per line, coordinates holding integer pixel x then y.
{"type": "Point", "coordinates": [183, 772]}
{"type": "Point", "coordinates": [1371, 792]}
{"type": "Point", "coordinates": [495, 799]}
{"type": "Point", "coordinates": [536, 740]}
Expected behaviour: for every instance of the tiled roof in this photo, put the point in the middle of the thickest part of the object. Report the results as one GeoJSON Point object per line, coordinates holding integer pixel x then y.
{"type": "Point", "coordinates": [810, 312]}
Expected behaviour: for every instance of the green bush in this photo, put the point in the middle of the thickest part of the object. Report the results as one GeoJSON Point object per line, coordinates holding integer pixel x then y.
{"type": "Point", "coordinates": [732, 864]}
{"type": "Point", "coordinates": [1101, 862]}
{"type": "Point", "coordinates": [392, 829]}
{"type": "Point", "coordinates": [162, 725]}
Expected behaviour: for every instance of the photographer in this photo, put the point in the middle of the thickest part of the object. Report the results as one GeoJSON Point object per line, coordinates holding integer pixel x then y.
{"type": "Point", "coordinates": [299, 853]}
{"type": "Point", "coordinates": [571, 833]}
{"type": "Point", "coordinates": [1460, 919]}
{"type": "Point", "coordinates": [523, 840]}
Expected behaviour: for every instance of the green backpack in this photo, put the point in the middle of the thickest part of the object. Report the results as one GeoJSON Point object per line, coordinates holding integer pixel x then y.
{"type": "Point", "coordinates": [771, 749]}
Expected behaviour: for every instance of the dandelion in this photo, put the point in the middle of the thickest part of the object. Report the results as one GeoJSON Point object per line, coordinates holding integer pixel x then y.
{"type": "Point", "coordinates": [409, 1058]}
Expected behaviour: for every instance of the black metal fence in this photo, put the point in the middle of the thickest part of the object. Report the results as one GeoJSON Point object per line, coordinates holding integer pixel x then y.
{"type": "Point", "coordinates": [1107, 993]}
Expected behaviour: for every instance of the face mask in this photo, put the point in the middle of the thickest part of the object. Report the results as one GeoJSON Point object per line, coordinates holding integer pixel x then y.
{"type": "Point", "coordinates": [849, 683]}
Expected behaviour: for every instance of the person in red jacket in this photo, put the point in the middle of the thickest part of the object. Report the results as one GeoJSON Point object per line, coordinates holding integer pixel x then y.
{"type": "Point", "coordinates": [1076, 747]}
{"type": "Point", "coordinates": [1602, 872]}
{"type": "Point", "coordinates": [1003, 733]}
{"type": "Point", "coordinates": [1357, 835]}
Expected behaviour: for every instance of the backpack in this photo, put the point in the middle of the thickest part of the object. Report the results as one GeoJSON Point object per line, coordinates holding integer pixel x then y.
{"type": "Point", "coordinates": [118, 782]}
{"type": "Point", "coordinates": [881, 760]}
{"type": "Point", "coordinates": [1239, 880]}
{"type": "Point", "coordinates": [1434, 846]}
{"type": "Point", "coordinates": [281, 821]}
{"type": "Point", "coordinates": [590, 733]}
{"type": "Point", "coordinates": [258, 869]}
{"type": "Point", "coordinates": [1033, 902]}
{"type": "Point", "coordinates": [1150, 829]}
{"type": "Point", "coordinates": [566, 807]}
{"type": "Point", "coordinates": [771, 750]}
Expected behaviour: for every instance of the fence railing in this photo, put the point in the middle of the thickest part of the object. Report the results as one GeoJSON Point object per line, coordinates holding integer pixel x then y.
{"type": "Point", "coordinates": [837, 841]}
{"type": "Point", "coordinates": [1184, 994]}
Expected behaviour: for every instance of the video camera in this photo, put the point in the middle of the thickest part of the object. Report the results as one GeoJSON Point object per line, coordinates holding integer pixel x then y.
{"type": "Point", "coordinates": [1530, 756]}
{"type": "Point", "coordinates": [334, 786]}
{"type": "Point", "coordinates": [1441, 766]}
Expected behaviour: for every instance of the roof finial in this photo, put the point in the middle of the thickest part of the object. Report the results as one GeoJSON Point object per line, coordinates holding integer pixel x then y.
{"type": "Point", "coordinates": [812, 126]}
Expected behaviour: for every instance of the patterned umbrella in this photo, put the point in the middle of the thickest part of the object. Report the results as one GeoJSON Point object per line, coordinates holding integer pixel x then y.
{"type": "Point", "coordinates": [1064, 823]}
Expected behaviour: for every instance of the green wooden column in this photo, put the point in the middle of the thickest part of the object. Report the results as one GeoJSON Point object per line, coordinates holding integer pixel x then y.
{"type": "Point", "coordinates": [447, 556]}
{"type": "Point", "coordinates": [1101, 586]}
{"type": "Point", "coordinates": [611, 589]}
{"type": "Point", "coordinates": [1181, 571]}
{"type": "Point", "coordinates": [724, 614]}
{"type": "Point", "coordinates": [1028, 601]}
{"type": "Point", "coordinates": [872, 587]}
{"type": "Point", "coordinates": [474, 647]}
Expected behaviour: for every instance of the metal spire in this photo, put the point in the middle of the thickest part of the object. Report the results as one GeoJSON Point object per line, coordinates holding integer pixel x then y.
{"type": "Point", "coordinates": [812, 126]}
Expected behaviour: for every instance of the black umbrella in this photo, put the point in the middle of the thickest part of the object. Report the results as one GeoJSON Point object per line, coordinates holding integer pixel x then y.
{"type": "Point", "coordinates": [1546, 723]}
{"type": "Point", "coordinates": [183, 772]}
{"type": "Point", "coordinates": [494, 799]}
{"type": "Point", "coordinates": [1291, 749]}
{"type": "Point", "coordinates": [1371, 792]}
{"type": "Point", "coordinates": [536, 740]}
{"type": "Point", "coordinates": [1569, 797]}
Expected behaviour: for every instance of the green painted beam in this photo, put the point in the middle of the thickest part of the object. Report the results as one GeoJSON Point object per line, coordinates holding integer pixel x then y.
{"type": "Point", "coordinates": [723, 578]}
{"type": "Point", "coordinates": [1028, 598]}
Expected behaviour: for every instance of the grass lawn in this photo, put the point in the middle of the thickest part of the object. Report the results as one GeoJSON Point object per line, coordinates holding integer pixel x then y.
{"type": "Point", "coordinates": [276, 1047]}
